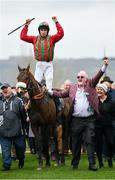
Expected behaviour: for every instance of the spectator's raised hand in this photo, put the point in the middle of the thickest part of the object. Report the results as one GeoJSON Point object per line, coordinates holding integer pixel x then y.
{"type": "Point", "coordinates": [105, 64]}
{"type": "Point", "coordinates": [106, 60]}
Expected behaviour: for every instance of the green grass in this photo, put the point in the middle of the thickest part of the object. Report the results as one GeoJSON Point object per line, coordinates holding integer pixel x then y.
{"type": "Point", "coordinates": [61, 172]}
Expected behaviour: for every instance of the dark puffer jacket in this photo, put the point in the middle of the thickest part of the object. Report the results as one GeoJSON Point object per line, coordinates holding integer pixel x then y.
{"type": "Point", "coordinates": [107, 113]}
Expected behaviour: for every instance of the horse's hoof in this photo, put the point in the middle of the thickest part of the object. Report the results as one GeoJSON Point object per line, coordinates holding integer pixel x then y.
{"type": "Point", "coordinates": [39, 168]}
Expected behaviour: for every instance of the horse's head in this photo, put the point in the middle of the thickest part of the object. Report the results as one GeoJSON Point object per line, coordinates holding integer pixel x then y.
{"type": "Point", "coordinates": [24, 74]}
{"type": "Point", "coordinates": [32, 86]}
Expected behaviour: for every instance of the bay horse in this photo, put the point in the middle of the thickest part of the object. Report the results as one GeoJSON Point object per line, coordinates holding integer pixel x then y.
{"type": "Point", "coordinates": [42, 114]}
{"type": "Point", "coordinates": [66, 124]}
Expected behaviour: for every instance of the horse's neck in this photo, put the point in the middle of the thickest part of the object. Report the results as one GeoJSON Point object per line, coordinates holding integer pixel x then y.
{"type": "Point", "coordinates": [33, 81]}
{"type": "Point", "coordinates": [36, 94]}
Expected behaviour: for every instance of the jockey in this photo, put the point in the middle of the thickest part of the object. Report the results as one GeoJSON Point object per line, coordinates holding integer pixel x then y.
{"type": "Point", "coordinates": [43, 49]}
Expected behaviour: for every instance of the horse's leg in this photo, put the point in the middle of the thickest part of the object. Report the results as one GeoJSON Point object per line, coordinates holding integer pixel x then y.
{"type": "Point", "coordinates": [60, 144]}
{"type": "Point", "coordinates": [39, 146]}
{"type": "Point", "coordinates": [55, 138]}
{"type": "Point", "coordinates": [59, 138]}
{"type": "Point", "coordinates": [52, 143]}
{"type": "Point", "coordinates": [46, 139]}
{"type": "Point", "coordinates": [66, 136]}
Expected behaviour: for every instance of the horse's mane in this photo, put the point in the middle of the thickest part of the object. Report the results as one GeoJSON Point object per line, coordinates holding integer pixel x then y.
{"type": "Point", "coordinates": [34, 80]}
{"type": "Point", "coordinates": [32, 76]}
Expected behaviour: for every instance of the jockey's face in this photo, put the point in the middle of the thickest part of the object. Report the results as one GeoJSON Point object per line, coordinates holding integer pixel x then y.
{"type": "Point", "coordinates": [43, 32]}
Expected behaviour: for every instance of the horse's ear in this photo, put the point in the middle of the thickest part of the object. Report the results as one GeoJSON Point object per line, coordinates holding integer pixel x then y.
{"type": "Point", "coordinates": [28, 67]}
{"type": "Point", "coordinates": [19, 68]}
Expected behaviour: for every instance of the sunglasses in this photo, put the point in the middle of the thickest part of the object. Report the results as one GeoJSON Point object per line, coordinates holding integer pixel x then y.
{"type": "Point", "coordinates": [80, 77]}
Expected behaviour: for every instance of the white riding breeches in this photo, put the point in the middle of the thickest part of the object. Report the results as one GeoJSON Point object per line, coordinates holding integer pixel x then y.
{"type": "Point", "coordinates": [44, 69]}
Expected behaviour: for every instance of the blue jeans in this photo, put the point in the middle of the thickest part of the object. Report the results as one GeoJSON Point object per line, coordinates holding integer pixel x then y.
{"type": "Point", "coordinates": [6, 146]}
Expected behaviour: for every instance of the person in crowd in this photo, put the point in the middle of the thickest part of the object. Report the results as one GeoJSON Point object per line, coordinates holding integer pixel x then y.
{"type": "Point", "coordinates": [113, 85]}
{"type": "Point", "coordinates": [67, 84]}
{"type": "Point", "coordinates": [14, 90]}
{"type": "Point", "coordinates": [19, 91]}
{"type": "Point", "coordinates": [31, 137]}
{"type": "Point", "coordinates": [106, 80]}
{"type": "Point", "coordinates": [43, 49]}
{"type": "Point", "coordinates": [109, 82]}
{"type": "Point", "coordinates": [84, 104]}
{"type": "Point", "coordinates": [12, 115]}
{"type": "Point", "coordinates": [60, 104]}
{"type": "Point", "coordinates": [104, 124]}
{"type": "Point", "coordinates": [0, 90]}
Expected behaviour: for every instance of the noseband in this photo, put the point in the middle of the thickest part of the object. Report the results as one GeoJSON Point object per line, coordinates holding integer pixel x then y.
{"type": "Point", "coordinates": [38, 96]}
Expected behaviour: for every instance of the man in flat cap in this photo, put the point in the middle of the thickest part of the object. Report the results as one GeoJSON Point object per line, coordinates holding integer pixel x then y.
{"type": "Point", "coordinates": [12, 113]}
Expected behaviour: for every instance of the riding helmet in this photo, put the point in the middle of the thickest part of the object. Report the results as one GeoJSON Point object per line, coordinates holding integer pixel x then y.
{"type": "Point", "coordinates": [43, 25]}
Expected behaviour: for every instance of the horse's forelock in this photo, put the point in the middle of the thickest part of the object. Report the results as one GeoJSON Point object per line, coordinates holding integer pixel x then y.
{"type": "Point", "coordinates": [23, 74]}
{"type": "Point", "coordinates": [21, 69]}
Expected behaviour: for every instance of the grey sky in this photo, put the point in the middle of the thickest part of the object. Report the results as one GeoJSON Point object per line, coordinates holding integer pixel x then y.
{"type": "Point", "coordinates": [89, 26]}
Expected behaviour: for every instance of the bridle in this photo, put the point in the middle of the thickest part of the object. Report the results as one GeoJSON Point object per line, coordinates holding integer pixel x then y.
{"type": "Point", "coordinates": [38, 96]}
{"type": "Point", "coordinates": [31, 87]}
